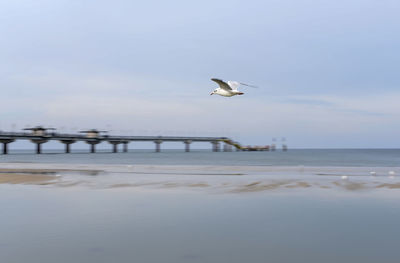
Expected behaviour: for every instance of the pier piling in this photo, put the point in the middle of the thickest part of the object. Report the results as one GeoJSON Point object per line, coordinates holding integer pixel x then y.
{"type": "Point", "coordinates": [227, 147]}
{"type": "Point", "coordinates": [215, 146]}
{"type": "Point", "coordinates": [39, 143]}
{"type": "Point", "coordinates": [125, 148]}
{"type": "Point", "coordinates": [5, 143]}
{"type": "Point", "coordinates": [187, 145]}
{"type": "Point", "coordinates": [92, 145]}
{"type": "Point", "coordinates": [115, 146]}
{"type": "Point", "coordinates": [158, 145]}
{"type": "Point", "coordinates": [67, 145]}
{"type": "Point", "coordinates": [5, 148]}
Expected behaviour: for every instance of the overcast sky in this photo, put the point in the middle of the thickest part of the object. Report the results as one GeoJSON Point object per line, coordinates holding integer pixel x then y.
{"type": "Point", "coordinates": [328, 71]}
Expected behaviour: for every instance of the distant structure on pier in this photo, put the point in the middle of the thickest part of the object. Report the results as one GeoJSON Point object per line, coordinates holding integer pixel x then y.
{"type": "Point", "coordinates": [93, 133]}
{"type": "Point", "coordinates": [273, 145]}
{"type": "Point", "coordinates": [284, 146]}
{"type": "Point", "coordinates": [39, 130]}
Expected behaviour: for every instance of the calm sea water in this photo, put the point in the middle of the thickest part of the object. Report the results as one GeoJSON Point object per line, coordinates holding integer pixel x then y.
{"type": "Point", "coordinates": [352, 220]}
{"type": "Point", "coordinates": [325, 157]}
{"type": "Point", "coordinates": [47, 225]}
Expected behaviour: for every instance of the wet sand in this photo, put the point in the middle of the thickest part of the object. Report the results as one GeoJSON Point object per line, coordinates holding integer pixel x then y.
{"type": "Point", "coordinates": [233, 179]}
{"type": "Point", "coordinates": [36, 176]}
{"type": "Point", "coordinates": [17, 178]}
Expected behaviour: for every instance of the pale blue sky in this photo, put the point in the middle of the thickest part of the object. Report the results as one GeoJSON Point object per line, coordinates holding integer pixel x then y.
{"type": "Point", "coordinates": [327, 70]}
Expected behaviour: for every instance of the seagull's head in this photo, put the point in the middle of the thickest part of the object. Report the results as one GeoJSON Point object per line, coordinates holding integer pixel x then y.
{"type": "Point", "coordinates": [215, 91]}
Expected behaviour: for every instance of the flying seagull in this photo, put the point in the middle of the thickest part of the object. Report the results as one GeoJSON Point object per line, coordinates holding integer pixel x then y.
{"type": "Point", "coordinates": [228, 89]}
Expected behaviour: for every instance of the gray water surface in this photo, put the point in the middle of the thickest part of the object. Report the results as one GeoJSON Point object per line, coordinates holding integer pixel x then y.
{"type": "Point", "coordinates": [309, 157]}
{"type": "Point", "coordinates": [46, 225]}
{"type": "Point", "coordinates": [329, 208]}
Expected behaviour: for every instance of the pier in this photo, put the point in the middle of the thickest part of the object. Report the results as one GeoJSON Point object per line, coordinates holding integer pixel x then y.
{"type": "Point", "coordinates": [40, 135]}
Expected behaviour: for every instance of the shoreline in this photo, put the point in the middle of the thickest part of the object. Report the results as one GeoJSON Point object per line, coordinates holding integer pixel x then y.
{"type": "Point", "coordinates": [233, 179]}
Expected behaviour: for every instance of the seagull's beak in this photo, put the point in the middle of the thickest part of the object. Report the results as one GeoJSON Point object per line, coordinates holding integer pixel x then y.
{"type": "Point", "coordinates": [211, 93]}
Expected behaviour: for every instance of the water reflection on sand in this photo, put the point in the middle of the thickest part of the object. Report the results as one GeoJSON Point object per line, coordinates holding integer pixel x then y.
{"type": "Point", "coordinates": [233, 179]}
{"type": "Point", "coordinates": [177, 214]}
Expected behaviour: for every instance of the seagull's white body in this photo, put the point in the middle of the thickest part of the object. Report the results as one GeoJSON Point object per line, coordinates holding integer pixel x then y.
{"type": "Point", "coordinates": [227, 89]}
{"type": "Point", "coordinates": [226, 93]}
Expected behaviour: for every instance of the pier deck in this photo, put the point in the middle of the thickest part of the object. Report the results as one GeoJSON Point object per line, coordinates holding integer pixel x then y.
{"type": "Point", "coordinates": [93, 137]}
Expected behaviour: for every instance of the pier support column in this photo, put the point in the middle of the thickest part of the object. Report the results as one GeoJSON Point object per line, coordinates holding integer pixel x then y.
{"type": "Point", "coordinates": [158, 145]}
{"type": "Point", "coordinates": [284, 147]}
{"type": "Point", "coordinates": [187, 145]}
{"type": "Point", "coordinates": [67, 145]}
{"type": "Point", "coordinates": [5, 148]}
{"type": "Point", "coordinates": [39, 145]}
{"type": "Point", "coordinates": [92, 145]}
{"type": "Point", "coordinates": [227, 147]}
{"type": "Point", "coordinates": [115, 145]}
{"type": "Point", "coordinates": [215, 146]}
{"type": "Point", "coordinates": [125, 148]}
{"type": "Point", "coordinates": [5, 143]}
{"type": "Point", "coordinates": [38, 148]}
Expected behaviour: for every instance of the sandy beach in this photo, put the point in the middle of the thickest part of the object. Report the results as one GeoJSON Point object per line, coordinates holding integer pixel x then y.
{"type": "Point", "coordinates": [235, 179]}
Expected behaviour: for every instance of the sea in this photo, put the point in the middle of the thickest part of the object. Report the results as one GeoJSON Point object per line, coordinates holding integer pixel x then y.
{"type": "Point", "coordinates": [302, 205]}
{"type": "Point", "coordinates": [294, 157]}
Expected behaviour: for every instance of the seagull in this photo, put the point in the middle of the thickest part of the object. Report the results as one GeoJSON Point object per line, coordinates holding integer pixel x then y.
{"type": "Point", "coordinates": [228, 89]}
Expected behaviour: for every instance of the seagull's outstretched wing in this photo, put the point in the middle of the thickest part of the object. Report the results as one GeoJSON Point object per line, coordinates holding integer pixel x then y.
{"type": "Point", "coordinates": [248, 85]}
{"type": "Point", "coordinates": [235, 84]}
{"type": "Point", "coordinates": [222, 84]}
